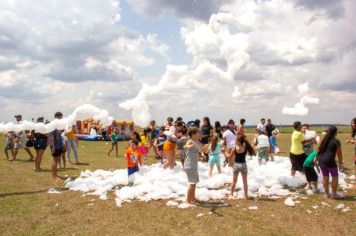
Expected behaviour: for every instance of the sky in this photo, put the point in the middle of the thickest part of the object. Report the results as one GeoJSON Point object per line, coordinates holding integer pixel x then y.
{"type": "Point", "coordinates": [152, 59]}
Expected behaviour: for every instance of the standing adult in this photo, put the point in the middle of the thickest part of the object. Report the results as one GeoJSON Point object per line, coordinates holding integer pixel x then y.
{"type": "Point", "coordinates": [262, 126]}
{"type": "Point", "coordinates": [297, 155]}
{"type": "Point", "coordinates": [72, 143]}
{"type": "Point", "coordinates": [269, 128]}
{"type": "Point", "coordinates": [241, 127]}
{"type": "Point", "coordinates": [21, 140]}
{"type": "Point", "coordinates": [353, 141]}
{"type": "Point", "coordinates": [329, 148]}
{"type": "Point", "coordinates": [169, 124]}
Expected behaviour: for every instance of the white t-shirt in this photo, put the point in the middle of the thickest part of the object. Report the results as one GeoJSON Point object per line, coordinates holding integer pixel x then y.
{"type": "Point", "coordinates": [262, 141]}
{"type": "Point", "coordinates": [230, 138]}
{"type": "Point", "coordinates": [261, 127]}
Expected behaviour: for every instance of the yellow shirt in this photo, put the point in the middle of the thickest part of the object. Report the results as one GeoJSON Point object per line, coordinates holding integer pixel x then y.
{"type": "Point", "coordinates": [71, 135]}
{"type": "Point", "coordinates": [297, 145]}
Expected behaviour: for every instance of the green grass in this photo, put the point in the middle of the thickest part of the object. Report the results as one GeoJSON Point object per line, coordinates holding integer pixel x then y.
{"type": "Point", "coordinates": [26, 208]}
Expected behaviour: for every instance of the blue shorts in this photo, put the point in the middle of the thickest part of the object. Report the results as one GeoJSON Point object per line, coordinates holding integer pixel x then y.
{"type": "Point", "coordinates": [131, 170]}
{"type": "Point", "coordinates": [214, 160]}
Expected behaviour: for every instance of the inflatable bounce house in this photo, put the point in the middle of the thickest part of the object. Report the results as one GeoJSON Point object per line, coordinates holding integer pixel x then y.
{"type": "Point", "coordinates": [90, 130]}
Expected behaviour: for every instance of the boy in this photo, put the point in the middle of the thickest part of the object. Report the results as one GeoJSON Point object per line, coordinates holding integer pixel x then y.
{"type": "Point", "coordinates": [310, 174]}
{"type": "Point", "coordinates": [262, 144]}
{"type": "Point", "coordinates": [134, 158]}
{"type": "Point", "coordinates": [9, 144]}
{"type": "Point", "coordinates": [158, 143]}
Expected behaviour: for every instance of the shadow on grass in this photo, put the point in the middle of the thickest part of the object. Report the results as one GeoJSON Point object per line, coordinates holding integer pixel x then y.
{"type": "Point", "coordinates": [214, 206]}
{"type": "Point", "coordinates": [28, 193]}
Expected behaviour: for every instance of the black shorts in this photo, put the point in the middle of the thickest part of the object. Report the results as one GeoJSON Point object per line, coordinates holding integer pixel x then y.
{"type": "Point", "coordinates": [311, 174]}
{"type": "Point", "coordinates": [40, 144]}
{"type": "Point", "coordinates": [58, 152]}
{"type": "Point", "coordinates": [204, 139]}
{"type": "Point", "coordinates": [297, 161]}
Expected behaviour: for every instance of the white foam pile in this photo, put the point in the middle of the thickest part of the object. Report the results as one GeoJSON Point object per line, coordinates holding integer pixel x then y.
{"type": "Point", "coordinates": [154, 183]}
{"type": "Point", "coordinates": [83, 111]}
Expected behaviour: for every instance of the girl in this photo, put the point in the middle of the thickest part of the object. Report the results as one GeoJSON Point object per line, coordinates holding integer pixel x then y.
{"type": "Point", "coordinates": [273, 142]}
{"type": "Point", "coordinates": [114, 142]}
{"type": "Point", "coordinates": [353, 141]}
{"type": "Point", "coordinates": [241, 127]}
{"type": "Point", "coordinates": [328, 149]}
{"type": "Point", "coordinates": [237, 160]}
{"type": "Point", "coordinates": [214, 158]}
{"type": "Point", "coordinates": [206, 132]}
{"type": "Point", "coordinates": [40, 145]}
{"type": "Point", "coordinates": [145, 143]}
{"type": "Point", "coordinates": [193, 149]}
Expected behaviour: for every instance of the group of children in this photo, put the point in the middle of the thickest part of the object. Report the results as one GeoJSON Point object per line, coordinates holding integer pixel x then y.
{"type": "Point", "coordinates": [61, 142]}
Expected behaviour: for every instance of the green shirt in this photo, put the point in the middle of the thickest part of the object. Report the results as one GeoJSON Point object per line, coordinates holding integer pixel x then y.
{"type": "Point", "coordinates": [113, 137]}
{"type": "Point", "coordinates": [309, 162]}
{"type": "Point", "coordinates": [297, 145]}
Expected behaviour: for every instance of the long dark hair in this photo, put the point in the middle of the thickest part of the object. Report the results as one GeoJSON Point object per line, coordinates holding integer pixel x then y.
{"type": "Point", "coordinates": [242, 139]}
{"type": "Point", "coordinates": [214, 142]}
{"type": "Point", "coordinates": [353, 130]}
{"type": "Point", "coordinates": [330, 134]}
{"type": "Point", "coordinates": [207, 121]}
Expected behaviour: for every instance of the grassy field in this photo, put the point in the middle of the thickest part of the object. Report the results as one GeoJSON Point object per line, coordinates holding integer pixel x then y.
{"type": "Point", "coordinates": [27, 209]}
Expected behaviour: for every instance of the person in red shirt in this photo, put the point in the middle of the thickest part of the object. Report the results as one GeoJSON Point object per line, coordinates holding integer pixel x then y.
{"type": "Point", "coordinates": [134, 157]}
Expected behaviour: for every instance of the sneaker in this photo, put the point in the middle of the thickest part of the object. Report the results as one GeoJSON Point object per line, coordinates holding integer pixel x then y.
{"type": "Point", "coordinates": [337, 195]}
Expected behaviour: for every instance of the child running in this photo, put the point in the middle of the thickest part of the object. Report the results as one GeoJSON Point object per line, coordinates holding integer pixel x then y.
{"type": "Point", "coordinates": [134, 159]}
{"type": "Point", "coordinates": [237, 160]}
{"type": "Point", "coordinates": [310, 174]}
{"type": "Point", "coordinates": [193, 149]}
{"type": "Point", "coordinates": [114, 142]}
{"type": "Point", "coordinates": [214, 151]}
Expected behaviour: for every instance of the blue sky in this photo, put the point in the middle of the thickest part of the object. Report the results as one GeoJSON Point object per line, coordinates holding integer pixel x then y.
{"type": "Point", "coordinates": [284, 59]}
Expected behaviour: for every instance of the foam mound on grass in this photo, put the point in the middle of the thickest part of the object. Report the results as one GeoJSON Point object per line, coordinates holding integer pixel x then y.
{"type": "Point", "coordinates": [155, 183]}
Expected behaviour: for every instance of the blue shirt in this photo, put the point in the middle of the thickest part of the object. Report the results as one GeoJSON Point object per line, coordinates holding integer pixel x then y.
{"type": "Point", "coordinates": [56, 135]}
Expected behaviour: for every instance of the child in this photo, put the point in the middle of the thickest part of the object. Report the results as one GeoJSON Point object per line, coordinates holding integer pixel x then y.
{"type": "Point", "coordinates": [9, 145]}
{"type": "Point", "coordinates": [193, 149]}
{"type": "Point", "coordinates": [237, 160]}
{"type": "Point", "coordinates": [169, 148]}
{"type": "Point", "coordinates": [134, 158]}
{"type": "Point", "coordinates": [158, 144]}
{"type": "Point", "coordinates": [114, 142]}
{"type": "Point", "coordinates": [262, 144]}
{"type": "Point", "coordinates": [273, 143]}
{"type": "Point", "coordinates": [57, 147]}
{"type": "Point", "coordinates": [353, 141]}
{"type": "Point", "coordinates": [40, 145]}
{"type": "Point", "coordinates": [181, 142]}
{"type": "Point", "coordinates": [310, 174]}
{"type": "Point", "coordinates": [214, 158]}
{"type": "Point", "coordinates": [145, 143]}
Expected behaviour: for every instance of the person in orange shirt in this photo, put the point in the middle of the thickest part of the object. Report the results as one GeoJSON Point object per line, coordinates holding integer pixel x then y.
{"type": "Point", "coordinates": [134, 157]}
